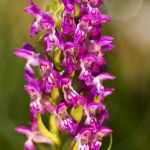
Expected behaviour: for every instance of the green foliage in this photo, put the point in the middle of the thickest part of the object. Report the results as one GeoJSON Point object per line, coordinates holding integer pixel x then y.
{"type": "Point", "coordinates": [46, 132]}
{"type": "Point", "coordinates": [76, 146]}
{"type": "Point", "coordinates": [68, 144]}
{"type": "Point", "coordinates": [76, 114]}
{"type": "Point", "coordinates": [56, 96]}
{"type": "Point", "coordinates": [57, 58]}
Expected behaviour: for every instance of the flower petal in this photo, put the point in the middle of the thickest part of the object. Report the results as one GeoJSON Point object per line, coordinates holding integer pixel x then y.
{"type": "Point", "coordinates": [103, 77]}
{"type": "Point", "coordinates": [27, 46]}
{"type": "Point", "coordinates": [36, 107]}
{"type": "Point", "coordinates": [34, 10]}
{"type": "Point", "coordinates": [105, 131]}
{"type": "Point", "coordinates": [22, 53]}
{"type": "Point", "coordinates": [47, 24]}
{"type": "Point", "coordinates": [105, 18]}
{"type": "Point", "coordinates": [23, 130]}
{"type": "Point", "coordinates": [29, 145]}
{"type": "Point", "coordinates": [34, 28]}
{"type": "Point", "coordinates": [39, 138]}
{"type": "Point", "coordinates": [108, 91]}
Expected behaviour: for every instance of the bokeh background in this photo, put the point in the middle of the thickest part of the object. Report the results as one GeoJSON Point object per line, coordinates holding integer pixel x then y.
{"type": "Point", "coordinates": [129, 106]}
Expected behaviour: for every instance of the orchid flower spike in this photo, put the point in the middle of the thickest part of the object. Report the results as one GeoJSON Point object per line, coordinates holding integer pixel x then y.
{"type": "Point", "coordinates": [65, 83]}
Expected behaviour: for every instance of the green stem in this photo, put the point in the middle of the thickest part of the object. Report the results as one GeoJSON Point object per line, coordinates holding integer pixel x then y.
{"type": "Point", "coordinates": [111, 141]}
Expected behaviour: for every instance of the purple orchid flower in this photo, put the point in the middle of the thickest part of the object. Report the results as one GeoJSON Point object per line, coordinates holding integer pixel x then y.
{"type": "Point", "coordinates": [103, 93]}
{"type": "Point", "coordinates": [86, 65]}
{"type": "Point", "coordinates": [82, 28]}
{"type": "Point", "coordinates": [65, 122]}
{"type": "Point", "coordinates": [94, 14]}
{"type": "Point", "coordinates": [105, 18]}
{"type": "Point", "coordinates": [91, 115]}
{"type": "Point", "coordinates": [51, 40]}
{"type": "Point", "coordinates": [104, 113]}
{"type": "Point", "coordinates": [98, 80]}
{"type": "Point", "coordinates": [33, 135]}
{"type": "Point", "coordinates": [70, 95]}
{"type": "Point", "coordinates": [33, 92]}
{"type": "Point", "coordinates": [106, 92]}
{"type": "Point", "coordinates": [50, 78]}
{"type": "Point", "coordinates": [36, 107]}
{"type": "Point", "coordinates": [96, 27]}
{"type": "Point", "coordinates": [35, 103]}
{"type": "Point", "coordinates": [69, 60]}
{"type": "Point", "coordinates": [95, 31]}
{"type": "Point", "coordinates": [31, 57]}
{"type": "Point", "coordinates": [97, 19]}
{"type": "Point", "coordinates": [100, 65]}
{"type": "Point", "coordinates": [97, 138]}
{"type": "Point", "coordinates": [105, 43]}
{"type": "Point", "coordinates": [81, 50]}
{"type": "Point", "coordinates": [39, 15]}
{"type": "Point", "coordinates": [68, 23]}
{"type": "Point", "coordinates": [83, 138]}
{"type": "Point", "coordinates": [38, 102]}
{"type": "Point", "coordinates": [46, 23]}
{"type": "Point", "coordinates": [46, 66]}
{"type": "Point", "coordinates": [33, 82]}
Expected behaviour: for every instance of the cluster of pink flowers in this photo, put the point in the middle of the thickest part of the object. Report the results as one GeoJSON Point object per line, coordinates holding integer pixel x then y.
{"type": "Point", "coordinates": [72, 69]}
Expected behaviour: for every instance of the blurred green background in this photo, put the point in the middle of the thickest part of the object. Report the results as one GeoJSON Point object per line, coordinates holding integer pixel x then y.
{"type": "Point", "coordinates": [129, 106]}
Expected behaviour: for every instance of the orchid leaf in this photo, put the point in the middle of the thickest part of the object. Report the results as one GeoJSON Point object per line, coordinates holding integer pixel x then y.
{"type": "Point", "coordinates": [55, 95]}
{"type": "Point", "coordinates": [52, 125]}
{"type": "Point", "coordinates": [57, 16]}
{"type": "Point", "coordinates": [53, 6]}
{"type": "Point", "coordinates": [41, 40]}
{"type": "Point", "coordinates": [67, 145]}
{"type": "Point", "coordinates": [57, 57]}
{"type": "Point", "coordinates": [76, 146]}
{"type": "Point", "coordinates": [45, 131]}
{"type": "Point", "coordinates": [78, 11]}
{"type": "Point", "coordinates": [76, 114]}
{"type": "Point", "coordinates": [71, 76]}
{"type": "Point", "coordinates": [77, 84]}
